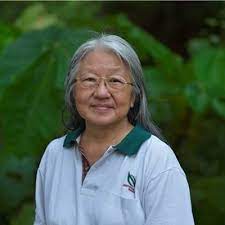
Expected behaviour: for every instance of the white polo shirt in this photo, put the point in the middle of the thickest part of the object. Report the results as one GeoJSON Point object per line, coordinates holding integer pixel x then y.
{"type": "Point", "coordinates": [137, 182]}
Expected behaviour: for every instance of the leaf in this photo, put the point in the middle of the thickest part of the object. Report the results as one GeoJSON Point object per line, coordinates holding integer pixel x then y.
{"type": "Point", "coordinates": [16, 178]}
{"type": "Point", "coordinates": [19, 56]}
{"type": "Point", "coordinates": [32, 89]}
{"type": "Point", "coordinates": [78, 14]}
{"type": "Point", "coordinates": [35, 16]}
{"type": "Point", "coordinates": [208, 86]}
{"type": "Point", "coordinates": [209, 70]}
{"type": "Point", "coordinates": [197, 97]}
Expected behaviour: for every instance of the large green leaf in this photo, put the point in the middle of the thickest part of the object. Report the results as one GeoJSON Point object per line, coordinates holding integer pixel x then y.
{"type": "Point", "coordinates": [32, 73]}
{"type": "Point", "coordinates": [209, 74]}
{"type": "Point", "coordinates": [210, 71]}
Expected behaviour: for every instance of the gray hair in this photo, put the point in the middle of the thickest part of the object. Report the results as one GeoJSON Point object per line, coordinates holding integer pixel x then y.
{"type": "Point", "coordinates": [139, 113]}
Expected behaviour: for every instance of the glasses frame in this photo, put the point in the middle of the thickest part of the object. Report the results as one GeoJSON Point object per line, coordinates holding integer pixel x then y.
{"type": "Point", "coordinates": [105, 82]}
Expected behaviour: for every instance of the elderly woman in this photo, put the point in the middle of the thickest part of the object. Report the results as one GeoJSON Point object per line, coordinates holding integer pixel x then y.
{"type": "Point", "coordinates": [112, 168]}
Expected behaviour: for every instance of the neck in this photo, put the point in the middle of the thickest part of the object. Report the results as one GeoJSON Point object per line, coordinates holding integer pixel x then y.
{"type": "Point", "coordinates": [109, 134]}
{"type": "Point", "coordinates": [96, 139]}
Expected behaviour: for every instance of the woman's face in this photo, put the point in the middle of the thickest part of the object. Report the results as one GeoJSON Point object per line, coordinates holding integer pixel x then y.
{"type": "Point", "coordinates": [98, 99]}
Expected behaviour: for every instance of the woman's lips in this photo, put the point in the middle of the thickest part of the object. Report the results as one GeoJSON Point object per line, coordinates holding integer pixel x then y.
{"type": "Point", "coordinates": [102, 108]}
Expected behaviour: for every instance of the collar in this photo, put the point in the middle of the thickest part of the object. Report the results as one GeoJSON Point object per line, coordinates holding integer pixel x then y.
{"type": "Point", "coordinates": [128, 146]}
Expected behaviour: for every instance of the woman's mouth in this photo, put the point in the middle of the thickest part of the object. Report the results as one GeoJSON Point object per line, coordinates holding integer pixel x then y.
{"type": "Point", "coordinates": [102, 108]}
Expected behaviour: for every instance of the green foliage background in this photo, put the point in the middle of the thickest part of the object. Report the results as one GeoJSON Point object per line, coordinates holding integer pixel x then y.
{"type": "Point", "coordinates": [186, 98]}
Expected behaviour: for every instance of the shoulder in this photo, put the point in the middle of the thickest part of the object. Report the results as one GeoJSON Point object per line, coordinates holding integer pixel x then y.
{"type": "Point", "coordinates": [158, 157]}
{"type": "Point", "coordinates": [53, 151]}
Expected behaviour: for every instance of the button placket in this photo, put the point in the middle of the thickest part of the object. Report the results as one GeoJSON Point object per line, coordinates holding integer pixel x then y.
{"type": "Point", "coordinates": [90, 180]}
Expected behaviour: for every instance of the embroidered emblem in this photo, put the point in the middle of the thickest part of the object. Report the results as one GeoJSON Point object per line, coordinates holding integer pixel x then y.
{"type": "Point", "coordinates": [131, 182]}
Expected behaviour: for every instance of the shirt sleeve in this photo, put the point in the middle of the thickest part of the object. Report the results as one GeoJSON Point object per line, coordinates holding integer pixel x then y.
{"type": "Point", "coordinates": [167, 199]}
{"type": "Point", "coordinates": [39, 201]}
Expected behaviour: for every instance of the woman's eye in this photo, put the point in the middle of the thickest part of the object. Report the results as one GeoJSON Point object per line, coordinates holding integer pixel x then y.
{"type": "Point", "coordinates": [89, 79]}
{"type": "Point", "coordinates": [115, 80]}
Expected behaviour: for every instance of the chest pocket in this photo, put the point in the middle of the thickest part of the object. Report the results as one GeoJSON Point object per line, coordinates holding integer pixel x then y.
{"type": "Point", "coordinates": [115, 209]}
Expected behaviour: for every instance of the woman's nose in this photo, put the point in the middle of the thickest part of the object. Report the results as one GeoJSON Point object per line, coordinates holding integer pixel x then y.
{"type": "Point", "coordinates": [102, 90]}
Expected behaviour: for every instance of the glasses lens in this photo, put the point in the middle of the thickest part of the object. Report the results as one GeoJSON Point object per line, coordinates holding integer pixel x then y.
{"type": "Point", "coordinates": [116, 83]}
{"type": "Point", "coordinates": [88, 82]}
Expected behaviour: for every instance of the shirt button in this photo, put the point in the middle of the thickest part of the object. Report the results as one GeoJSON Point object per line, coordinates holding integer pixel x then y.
{"type": "Point", "coordinates": [93, 187]}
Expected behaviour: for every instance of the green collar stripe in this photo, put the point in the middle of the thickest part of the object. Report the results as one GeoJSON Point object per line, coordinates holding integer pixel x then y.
{"type": "Point", "coordinates": [71, 137]}
{"type": "Point", "coordinates": [133, 141]}
{"type": "Point", "coordinates": [128, 146]}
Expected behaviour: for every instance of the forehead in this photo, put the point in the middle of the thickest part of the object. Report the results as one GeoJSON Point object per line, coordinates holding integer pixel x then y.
{"type": "Point", "coordinates": [100, 60]}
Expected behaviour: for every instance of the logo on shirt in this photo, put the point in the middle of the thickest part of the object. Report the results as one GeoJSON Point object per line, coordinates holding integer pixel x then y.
{"type": "Point", "coordinates": [131, 182]}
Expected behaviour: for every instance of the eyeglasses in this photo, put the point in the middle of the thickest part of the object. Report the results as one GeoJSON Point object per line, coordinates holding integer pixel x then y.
{"type": "Point", "coordinates": [112, 83]}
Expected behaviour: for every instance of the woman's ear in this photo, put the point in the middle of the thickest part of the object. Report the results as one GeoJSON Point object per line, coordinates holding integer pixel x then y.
{"type": "Point", "coordinates": [132, 101]}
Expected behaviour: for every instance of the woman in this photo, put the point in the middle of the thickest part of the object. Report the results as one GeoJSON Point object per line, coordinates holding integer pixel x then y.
{"type": "Point", "coordinates": [111, 169]}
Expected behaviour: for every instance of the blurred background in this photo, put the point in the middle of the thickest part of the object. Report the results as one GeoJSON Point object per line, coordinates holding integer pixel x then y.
{"type": "Point", "coordinates": [182, 48]}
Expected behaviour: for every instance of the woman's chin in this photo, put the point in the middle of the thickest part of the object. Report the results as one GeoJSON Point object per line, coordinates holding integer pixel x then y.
{"type": "Point", "coordinates": [102, 121]}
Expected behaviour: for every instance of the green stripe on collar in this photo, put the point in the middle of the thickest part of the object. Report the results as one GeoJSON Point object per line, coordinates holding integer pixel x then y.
{"type": "Point", "coordinates": [71, 137]}
{"type": "Point", "coordinates": [133, 141]}
{"type": "Point", "coordinates": [128, 146]}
